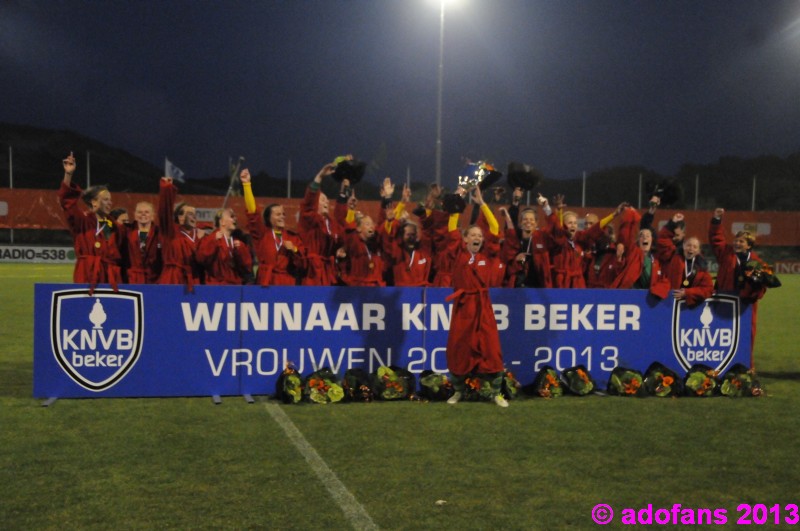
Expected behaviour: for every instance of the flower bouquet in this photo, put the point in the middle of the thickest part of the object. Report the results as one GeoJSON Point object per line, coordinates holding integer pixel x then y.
{"type": "Point", "coordinates": [323, 386]}
{"type": "Point", "coordinates": [578, 380]}
{"type": "Point", "coordinates": [478, 388]}
{"type": "Point", "coordinates": [626, 382]}
{"type": "Point", "coordinates": [356, 386]}
{"type": "Point", "coordinates": [661, 381]}
{"type": "Point", "coordinates": [740, 381]}
{"type": "Point", "coordinates": [700, 380]}
{"type": "Point", "coordinates": [435, 386]}
{"type": "Point", "coordinates": [393, 383]}
{"type": "Point", "coordinates": [289, 387]}
{"type": "Point", "coordinates": [547, 384]}
{"type": "Point", "coordinates": [758, 272]}
{"type": "Point", "coordinates": [510, 385]}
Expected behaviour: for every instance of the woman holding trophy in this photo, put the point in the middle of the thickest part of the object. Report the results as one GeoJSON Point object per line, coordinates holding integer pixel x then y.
{"type": "Point", "coordinates": [473, 344]}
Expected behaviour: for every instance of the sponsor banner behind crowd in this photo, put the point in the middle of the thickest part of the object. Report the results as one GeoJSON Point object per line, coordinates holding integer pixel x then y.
{"type": "Point", "coordinates": [38, 209]}
{"type": "Point", "coordinates": [36, 254]}
{"type": "Point", "coordinates": [232, 340]}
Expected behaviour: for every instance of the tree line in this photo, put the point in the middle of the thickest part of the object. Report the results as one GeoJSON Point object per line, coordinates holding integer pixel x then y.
{"type": "Point", "coordinates": [728, 182]}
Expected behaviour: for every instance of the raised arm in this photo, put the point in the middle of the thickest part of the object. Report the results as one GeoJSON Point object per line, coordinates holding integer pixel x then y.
{"type": "Point", "coordinates": [247, 187]}
{"type": "Point", "coordinates": [69, 168]}
{"type": "Point", "coordinates": [716, 236]}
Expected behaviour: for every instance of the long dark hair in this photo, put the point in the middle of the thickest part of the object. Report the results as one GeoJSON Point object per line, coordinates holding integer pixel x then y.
{"type": "Point", "coordinates": [268, 214]}
{"type": "Point", "coordinates": [178, 210]}
{"type": "Point", "coordinates": [92, 192]}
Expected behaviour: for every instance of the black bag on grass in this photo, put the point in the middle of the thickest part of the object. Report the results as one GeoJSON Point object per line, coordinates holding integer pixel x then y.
{"type": "Point", "coordinates": [289, 387]}
{"type": "Point", "coordinates": [626, 382]}
{"type": "Point", "coordinates": [546, 384]}
{"type": "Point", "coordinates": [510, 387]}
{"type": "Point", "coordinates": [322, 386]}
{"type": "Point", "coordinates": [435, 386]}
{"type": "Point", "coordinates": [578, 381]}
{"type": "Point", "coordinates": [662, 381]}
{"type": "Point", "coordinates": [393, 383]}
{"type": "Point", "coordinates": [740, 381]}
{"type": "Point", "coordinates": [701, 381]}
{"type": "Point", "coordinates": [356, 385]}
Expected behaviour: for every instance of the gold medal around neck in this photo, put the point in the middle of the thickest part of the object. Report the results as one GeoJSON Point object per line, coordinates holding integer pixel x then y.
{"type": "Point", "coordinates": [741, 278]}
{"type": "Point", "coordinates": [371, 265]}
{"type": "Point", "coordinates": [685, 283]}
{"type": "Point", "coordinates": [97, 244]}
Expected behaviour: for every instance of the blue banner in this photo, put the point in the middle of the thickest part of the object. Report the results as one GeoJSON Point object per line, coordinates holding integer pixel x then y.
{"type": "Point", "coordinates": [148, 341]}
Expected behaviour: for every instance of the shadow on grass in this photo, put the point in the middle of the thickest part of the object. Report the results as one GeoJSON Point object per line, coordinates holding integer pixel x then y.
{"type": "Point", "coordinates": [780, 375]}
{"type": "Point", "coordinates": [16, 380]}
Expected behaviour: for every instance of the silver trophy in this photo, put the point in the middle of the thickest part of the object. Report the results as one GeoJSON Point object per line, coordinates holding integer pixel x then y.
{"type": "Point", "coordinates": [480, 174]}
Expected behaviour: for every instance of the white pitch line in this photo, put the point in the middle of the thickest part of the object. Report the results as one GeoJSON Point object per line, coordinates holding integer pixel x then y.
{"type": "Point", "coordinates": [353, 510]}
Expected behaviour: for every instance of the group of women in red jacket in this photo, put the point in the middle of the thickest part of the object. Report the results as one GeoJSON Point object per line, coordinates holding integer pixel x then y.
{"type": "Point", "coordinates": [334, 244]}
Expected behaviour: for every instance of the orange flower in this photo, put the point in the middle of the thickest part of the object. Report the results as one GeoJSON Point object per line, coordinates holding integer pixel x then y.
{"type": "Point", "coordinates": [583, 376]}
{"type": "Point", "coordinates": [632, 387]}
{"type": "Point", "coordinates": [667, 381]}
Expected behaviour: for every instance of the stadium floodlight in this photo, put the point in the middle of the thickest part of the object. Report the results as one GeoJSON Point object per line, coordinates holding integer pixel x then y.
{"type": "Point", "coordinates": [439, 92]}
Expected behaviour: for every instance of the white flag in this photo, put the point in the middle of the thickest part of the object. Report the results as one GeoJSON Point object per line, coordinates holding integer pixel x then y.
{"type": "Point", "coordinates": [170, 170]}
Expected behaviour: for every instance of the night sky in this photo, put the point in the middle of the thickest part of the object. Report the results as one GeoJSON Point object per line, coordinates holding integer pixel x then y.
{"type": "Point", "coordinates": [568, 86]}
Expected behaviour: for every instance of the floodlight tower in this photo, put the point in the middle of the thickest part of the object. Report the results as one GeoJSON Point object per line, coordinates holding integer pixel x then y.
{"type": "Point", "coordinates": [439, 96]}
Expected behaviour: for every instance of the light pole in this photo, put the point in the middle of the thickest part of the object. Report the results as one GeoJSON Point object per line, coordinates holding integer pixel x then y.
{"type": "Point", "coordinates": [439, 100]}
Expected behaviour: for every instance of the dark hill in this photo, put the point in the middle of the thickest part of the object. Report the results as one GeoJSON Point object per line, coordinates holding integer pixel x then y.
{"type": "Point", "coordinates": [37, 155]}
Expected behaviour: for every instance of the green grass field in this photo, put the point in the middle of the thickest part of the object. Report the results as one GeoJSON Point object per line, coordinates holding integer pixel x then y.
{"type": "Point", "coordinates": [540, 464]}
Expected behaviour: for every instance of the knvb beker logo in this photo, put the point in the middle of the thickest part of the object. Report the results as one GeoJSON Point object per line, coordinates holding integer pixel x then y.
{"type": "Point", "coordinates": [97, 339]}
{"type": "Point", "coordinates": [708, 333]}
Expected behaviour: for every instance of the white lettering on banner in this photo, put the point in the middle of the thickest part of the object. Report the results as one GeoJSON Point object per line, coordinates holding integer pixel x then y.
{"type": "Point", "coordinates": [567, 356]}
{"type": "Point", "coordinates": [96, 360]}
{"type": "Point", "coordinates": [35, 254]}
{"type": "Point", "coordinates": [787, 268]}
{"type": "Point", "coordinates": [704, 355]}
{"type": "Point", "coordinates": [247, 362]}
{"type": "Point", "coordinates": [721, 337]}
{"type": "Point", "coordinates": [501, 315]}
{"type": "Point", "coordinates": [258, 318]}
{"type": "Point", "coordinates": [438, 315]}
{"type": "Point", "coordinates": [695, 341]}
{"type": "Point", "coordinates": [282, 315]}
{"type": "Point", "coordinates": [88, 339]}
{"type": "Point", "coordinates": [582, 317]}
{"type": "Point", "coordinates": [216, 370]}
{"type": "Point", "coordinates": [418, 365]}
{"type": "Point", "coordinates": [243, 316]}
{"type": "Point", "coordinates": [412, 317]}
{"type": "Point", "coordinates": [269, 361]}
